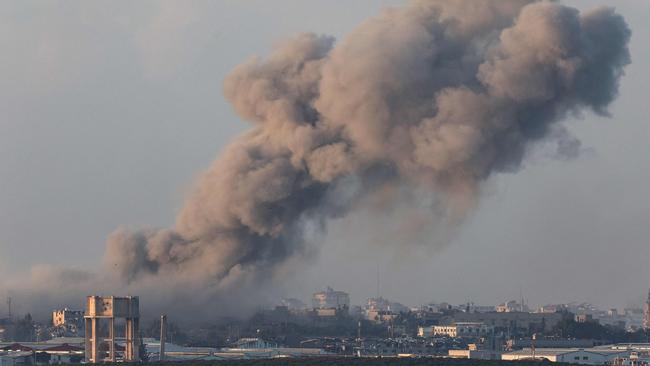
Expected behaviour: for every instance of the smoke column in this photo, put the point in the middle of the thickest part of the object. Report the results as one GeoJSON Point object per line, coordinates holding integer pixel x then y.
{"type": "Point", "coordinates": [434, 95]}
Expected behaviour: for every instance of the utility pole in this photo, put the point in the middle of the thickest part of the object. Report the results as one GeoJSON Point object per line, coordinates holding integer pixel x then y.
{"type": "Point", "coordinates": [532, 345]}
{"type": "Point", "coordinates": [359, 344]}
{"type": "Point", "coordinates": [163, 336]}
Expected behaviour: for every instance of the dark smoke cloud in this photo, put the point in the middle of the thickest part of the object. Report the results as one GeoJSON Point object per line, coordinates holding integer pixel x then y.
{"type": "Point", "coordinates": [433, 96]}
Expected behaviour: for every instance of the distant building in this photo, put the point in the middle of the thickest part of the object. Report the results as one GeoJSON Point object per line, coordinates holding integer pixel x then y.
{"type": "Point", "coordinates": [474, 352]}
{"type": "Point", "coordinates": [326, 312]}
{"type": "Point", "coordinates": [331, 299]}
{"type": "Point", "coordinates": [5, 328]}
{"type": "Point", "coordinates": [293, 304]}
{"type": "Point", "coordinates": [381, 310]}
{"type": "Point", "coordinates": [436, 308]}
{"type": "Point", "coordinates": [511, 306]}
{"type": "Point", "coordinates": [584, 318]}
{"type": "Point", "coordinates": [41, 353]}
{"type": "Point", "coordinates": [512, 321]}
{"type": "Point", "coordinates": [381, 304]}
{"type": "Point", "coordinates": [254, 343]}
{"type": "Point", "coordinates": [590, 356]}
{"type": "Point", "coordinates": [64, 353]}
{"type": "Point", "coordinates": [425, 331]}
{"type": "Point", "coordinates": [551, 342]}
{"type": "Point", "coordinates": [633, 318]}
{"type": "Point", "coordinates": [457, 330]}
{"type": "Point", "coordinates": [462, 330]}
{"type": "Point", "coordinates": [15, 358]}
{"type": "Point", "coordinates": [612, 318]}
{"type": "Point", "coordinates": [68, 318]}
{"type": "Point", "coordinates": [551, 308]}
{"type": "Point", "coordinates": [381, 316]}
{"type": "Point", "coordinates": [480, 308]}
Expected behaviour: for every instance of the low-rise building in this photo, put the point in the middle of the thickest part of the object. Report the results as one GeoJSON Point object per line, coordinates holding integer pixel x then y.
{"type": "Point", "coordinates": [585, 318]}
{"type": "Point", "coordinates": [293, 304]}
{"type": "Point", "coordinates": [551, 308]}
{"type": "Point", "coordinates": [552, 342]}
{"type": "Point", "coordinates": [456, 330]}
{"type": "Point", "coordinates": [17, 358]}
{"type": "Point", "coordinates": [64, 354]}
{"type": "Point", "coordinates": [381, 316]}
{"type": "Point", "coordinates": [327, 312]}
{"type": "Point", "coordinates": [476, 354]}
{"type": "Point", "coordinates": [511, 306]}
{"type": "Point", "coordinates": [475, 351]}
{"type": "Point", "coordinates": [512, 321]}
{"type": "Point", "coordinates": [463, 330]}
{"type": "Point", "coordinates": [53, 351]}
{"type": "Point", "coordinates": [590, 356]}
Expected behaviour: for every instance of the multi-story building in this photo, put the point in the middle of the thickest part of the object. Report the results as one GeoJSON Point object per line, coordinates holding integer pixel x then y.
{"type": "Point", "coordinates": [293, 304]}
{"type": "Point", "coordinates": [456, 330]}
{"type": "Point", "coordinates": [67, 317]}
{"type": "Point", "coordinates": [379, 303]}
{"type": "Point", "coordinates": [584, 318]}
{"type": "Point", "coordinates": [331, 299]}
{"type": "Point", "coordinates": [633, 318]}
{"type": "Point", "coordinates": [511, 306]}
{"type": "Point", "coordinates": [381, 310]}
{"type": "Point", "coordinates": [511, 321]}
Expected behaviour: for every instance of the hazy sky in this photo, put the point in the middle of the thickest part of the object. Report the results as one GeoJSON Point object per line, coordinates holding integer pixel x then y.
{"type": "Point", "coordinates": [109, 110]}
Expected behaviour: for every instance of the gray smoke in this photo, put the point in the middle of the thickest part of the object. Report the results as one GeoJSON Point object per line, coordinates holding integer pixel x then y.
{"type": "Point", "coordinates": [436, 96]}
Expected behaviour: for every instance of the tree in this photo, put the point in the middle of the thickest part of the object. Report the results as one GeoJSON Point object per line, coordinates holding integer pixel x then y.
{"type": "Point", "coordinates": [25, 330]}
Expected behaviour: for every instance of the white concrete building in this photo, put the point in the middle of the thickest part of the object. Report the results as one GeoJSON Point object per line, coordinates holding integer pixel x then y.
{"type": "Point", "coordinates": [589, 356]}
{"type": "Point", "coordinates": [462, 330]}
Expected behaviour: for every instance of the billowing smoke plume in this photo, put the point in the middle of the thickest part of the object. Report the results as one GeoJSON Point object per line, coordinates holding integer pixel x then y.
{"type": "Point", "coordinates": [435, 95]}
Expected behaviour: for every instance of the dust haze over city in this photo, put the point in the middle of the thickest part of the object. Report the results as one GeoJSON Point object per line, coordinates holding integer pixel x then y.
{"type": "Point", "coordinates": [236, 153]}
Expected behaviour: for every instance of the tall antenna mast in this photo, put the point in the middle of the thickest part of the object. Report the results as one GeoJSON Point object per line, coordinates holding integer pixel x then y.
{"type": "Point", "coordinates": [377, 280]}
{"type": "Point", "coordinates": [9, 306]}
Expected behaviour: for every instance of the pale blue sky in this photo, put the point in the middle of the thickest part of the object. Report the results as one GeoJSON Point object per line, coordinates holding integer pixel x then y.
{"type": "Point", "coordinates": [109, 109]}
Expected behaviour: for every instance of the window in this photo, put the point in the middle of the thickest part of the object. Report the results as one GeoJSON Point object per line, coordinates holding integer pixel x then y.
{"type": "Point", "coordinates": [585, 358]}
{"type": "Point", "coordinates": [576, 358]}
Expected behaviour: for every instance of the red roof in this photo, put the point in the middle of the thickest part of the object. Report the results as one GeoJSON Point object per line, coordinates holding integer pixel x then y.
{"type": "Point", "coordinates": [16, 347]}
{"type": "Point", "coordinates": [64, 348]}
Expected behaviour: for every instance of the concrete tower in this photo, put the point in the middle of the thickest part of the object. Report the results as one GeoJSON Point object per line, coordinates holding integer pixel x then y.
{"type": "Point", "coordinates": [100, 340]}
